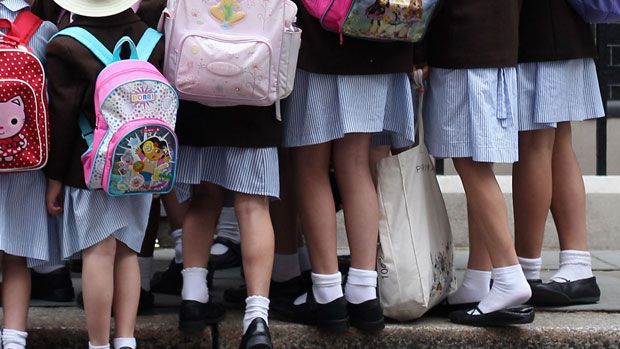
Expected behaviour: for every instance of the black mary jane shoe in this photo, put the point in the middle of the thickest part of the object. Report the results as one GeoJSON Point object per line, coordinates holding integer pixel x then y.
{"type": "Point", "coordinates": [367, 316]}
{"type": "Point", "coordinates": [277, 290]}
{"type": "Point", "coordinates": [585, 291]}
{"type": "Point", "coordinates": [230, 259]}
{"type": "Point", "coordinates": [445, 308]}
{"type": "Point", "coordinates": [54, 287]}
{"type": "Point", "coordinates": [332, 316]}
{"type": "Point", "coordinates": [195, 316]}
{"type": "Point", "coordinates": [257, 336]}
{"type": "Point", "coordinates": [511, 316]}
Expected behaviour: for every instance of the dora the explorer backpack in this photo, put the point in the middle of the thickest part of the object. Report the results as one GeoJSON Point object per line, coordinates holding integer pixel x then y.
{"type": "Point", "coordinates": [24, 121]}
{"type": "Point", "coordinates": [231, 52]}
{"type": "Point", "coordinates": [133, 148]}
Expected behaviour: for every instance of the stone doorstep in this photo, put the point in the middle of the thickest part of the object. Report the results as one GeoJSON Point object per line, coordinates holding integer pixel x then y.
{"type": "Point", "coordinates": [63, 327]}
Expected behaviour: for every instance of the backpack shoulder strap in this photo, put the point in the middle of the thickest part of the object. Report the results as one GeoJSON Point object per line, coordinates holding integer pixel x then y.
{"type": "Point", "coordinates": [147, 43]}
{"type": "Point", "coordinates": [86, 129]}
{"type": "Point", "coordinates": [25, 26]}
{"type": "Point", "coordinates": [89, 41]}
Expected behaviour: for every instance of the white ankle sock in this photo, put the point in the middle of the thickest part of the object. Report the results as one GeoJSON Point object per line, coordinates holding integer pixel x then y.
{"type": "Point", "coordinates": [304, 258]}
{"type": "Point", "coordinates": [228, 226]}
{"type": "Point", "coordinates": [124, 342]}
{"type": "Point", "coordinates": [14, 339]}
{"type": "Point", "coordinates": [46, 269]}
{"type": "Point", "coordinates": [531, 267]}
{"type": "Point", "coordinates": [325, 287]}
{"type": "Point", "coordinates": [195, 285]}
{"type": "Point", "coordinates": [475, 286]}
{"type": "Point", "coordinates": [255, 307]}
{"type": "Point", "coordinates": [285, 267]}
{"type": "Point", "coordinates": [106, 346]}
{"type": "Point", "coordinates": [146, 268]}
{"type": "Point", "coordinates": [510, 288]}
{"type": "Point", "coordinates": [574, 265]}
{"type": "Point", "coordinates": [361, 285]}
{"type": "Point", "coordinates": [178, 245]}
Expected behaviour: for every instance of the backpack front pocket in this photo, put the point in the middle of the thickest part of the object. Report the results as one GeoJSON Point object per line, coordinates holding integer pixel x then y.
{"type": "Point", "coordinates": [142, 159]}
{"type": "Point", "coordinates": [224, 69]}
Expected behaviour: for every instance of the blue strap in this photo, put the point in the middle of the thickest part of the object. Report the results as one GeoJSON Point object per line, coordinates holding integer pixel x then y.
{"type": "Point", "coordinates": [147, 43]}
{"type": "Point", "coordinates": [86, 129]}
{"type": "Point", "coordinates": [90, 42]}
{"type": "Point", "coordinates": [116, 56]}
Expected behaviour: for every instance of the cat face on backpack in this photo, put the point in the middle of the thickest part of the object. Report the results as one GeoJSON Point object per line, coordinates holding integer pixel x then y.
{"type": "Point", "coordinates": [12, 117]}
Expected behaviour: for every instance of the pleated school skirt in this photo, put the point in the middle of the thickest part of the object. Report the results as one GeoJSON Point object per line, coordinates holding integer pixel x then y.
{"type": "Point", "coordinates": [251, 171]}
{"type": "Point", "coordinates": [472, 113]}
{"type": "Point", "coordinates": [91, 216]}
{"type": "Point", "coordinates": [560, 91]}
{"type": "Point", "coordinates": [325, 107]}
{"type": "Point", "coordinates": [26, 230]}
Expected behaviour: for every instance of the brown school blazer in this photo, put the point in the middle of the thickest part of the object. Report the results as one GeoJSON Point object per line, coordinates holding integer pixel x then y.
{"type": "Point", "coordinates": [72, 71]}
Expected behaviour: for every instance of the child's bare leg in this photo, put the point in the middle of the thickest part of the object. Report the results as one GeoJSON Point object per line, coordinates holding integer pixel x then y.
{"type": "Point", "coordinates": [98, 289]}
{"type": "Point", "coordinates": [569, 199]}
{"type": "Point", "coordinates": [316, 205]}
{"type": "Point", "coordinates": [15, 292]}
{"type": "Point", "coordinates": [175, 211]}
{"type": "Point", "coordinates": [199, 224]}
{"type": "Point", "coordinates": [126, 291]}
{"type": "Point", "coordinates": [359, 198]}
{"type": "Point", "coordinates": [569, 210]}
{"type": "Point", "coordinates": [488, 210]}
{"type": "Point", "coordinates": [257, 250]}
{"type": "Point", "coordinates": [532, 187]}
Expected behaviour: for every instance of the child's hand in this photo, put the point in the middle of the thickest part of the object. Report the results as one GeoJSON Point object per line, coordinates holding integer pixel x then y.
{"type": "Point", "coordinates": [54, 198]}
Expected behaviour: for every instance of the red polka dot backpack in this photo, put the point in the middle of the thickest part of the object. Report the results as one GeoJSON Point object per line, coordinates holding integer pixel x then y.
{"type": "Point", "coordinates": [24, 122]}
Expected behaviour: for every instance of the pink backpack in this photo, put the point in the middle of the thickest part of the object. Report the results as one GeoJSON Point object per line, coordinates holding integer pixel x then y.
{"type": "Point", "coordinates": [231, 52]}
{"type": "Point", "coordinates": [381, 20]}
{"type": "Point", "coordinates": [24, 121]}
{"type": "Point", "coordinates": [133, 148]}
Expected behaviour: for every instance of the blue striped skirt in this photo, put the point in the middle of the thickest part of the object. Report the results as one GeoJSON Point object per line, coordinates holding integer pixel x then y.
{"type": "Point", "coordinates": [91, 216]}
{"type": "Point", "coordinates": [325, 107]}
{"type": "Point", "coordinates": [251, 171]}
{"type": "Point", "coordinates": [471, 113]}
{"type": "Point", "coordinates": [552, 92]}
{"type": "Point", "coordinates": [25, 228]}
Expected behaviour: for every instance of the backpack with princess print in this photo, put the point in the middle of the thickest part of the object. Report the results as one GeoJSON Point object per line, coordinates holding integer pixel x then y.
{"type": "Point", "coordinates": [24, 121]}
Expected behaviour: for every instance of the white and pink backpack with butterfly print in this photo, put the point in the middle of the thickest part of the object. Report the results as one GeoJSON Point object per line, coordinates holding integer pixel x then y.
{"type": "Point", "coordinates": [133, 147]}
{"type": "Point", "coordinates": [24, 121]}
{"type": "Point", "coordinates": [231, 52]}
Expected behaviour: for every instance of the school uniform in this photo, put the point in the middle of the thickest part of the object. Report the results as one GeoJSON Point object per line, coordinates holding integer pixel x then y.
{"type": "Point", "coordinates": [471, 99]}
{"type": "Point", "coordinates": [89, 216]}
{"type": "Point", "coordinates": [556, 74]}
{"type": "Point", "coordinates": [25, 228]}
{"type": "Point", "coordinates": [357, 87]}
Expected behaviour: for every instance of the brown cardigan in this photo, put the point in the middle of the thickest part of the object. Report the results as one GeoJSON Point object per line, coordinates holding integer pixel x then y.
{"type": "Point", "coordinates": [551, 30]}
{"type": "Point", "coordinates": [72, 71]}
{"type": "Point", "coordinates": [470, 34]}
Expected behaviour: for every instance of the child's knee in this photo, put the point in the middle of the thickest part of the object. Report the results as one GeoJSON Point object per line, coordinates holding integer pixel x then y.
{"type": "Point", "coordinates": [251, 205]}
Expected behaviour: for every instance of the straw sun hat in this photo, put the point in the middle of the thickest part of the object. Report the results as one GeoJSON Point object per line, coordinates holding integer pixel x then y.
{"type": "Point", "coordinates": [95, 8]}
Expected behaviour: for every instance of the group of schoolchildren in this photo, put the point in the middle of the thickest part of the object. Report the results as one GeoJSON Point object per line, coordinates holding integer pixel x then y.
{"type": "Point", "coordinates": [505, 80]}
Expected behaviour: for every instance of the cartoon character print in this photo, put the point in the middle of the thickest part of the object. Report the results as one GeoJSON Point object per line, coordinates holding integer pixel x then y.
{"type": "Point", "coordinates": [228, 12]}
{"type": "Point", "coordinates": [154, 159]}
{"type": "Point", "coordinates": [12, 120]}
{"type": "Point", "coordinates": [375, 13]}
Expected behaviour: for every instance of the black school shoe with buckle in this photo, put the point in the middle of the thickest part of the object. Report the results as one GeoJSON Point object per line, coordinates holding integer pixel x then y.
{"type": "Point", "coordinates": [331, 316]}
{"type": "Point", "coordinates": [277, 290]}
{"type": "Point", "coordinates": [511, 316]}
{"type": "Point", "coordinates": [585, 291]}
{"type": "Point", "coordinates": [366, 316]}
{"type": "Point", "coordinates": [257, 336]}
{"type": "Point", "coordinates": [195, 316]}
